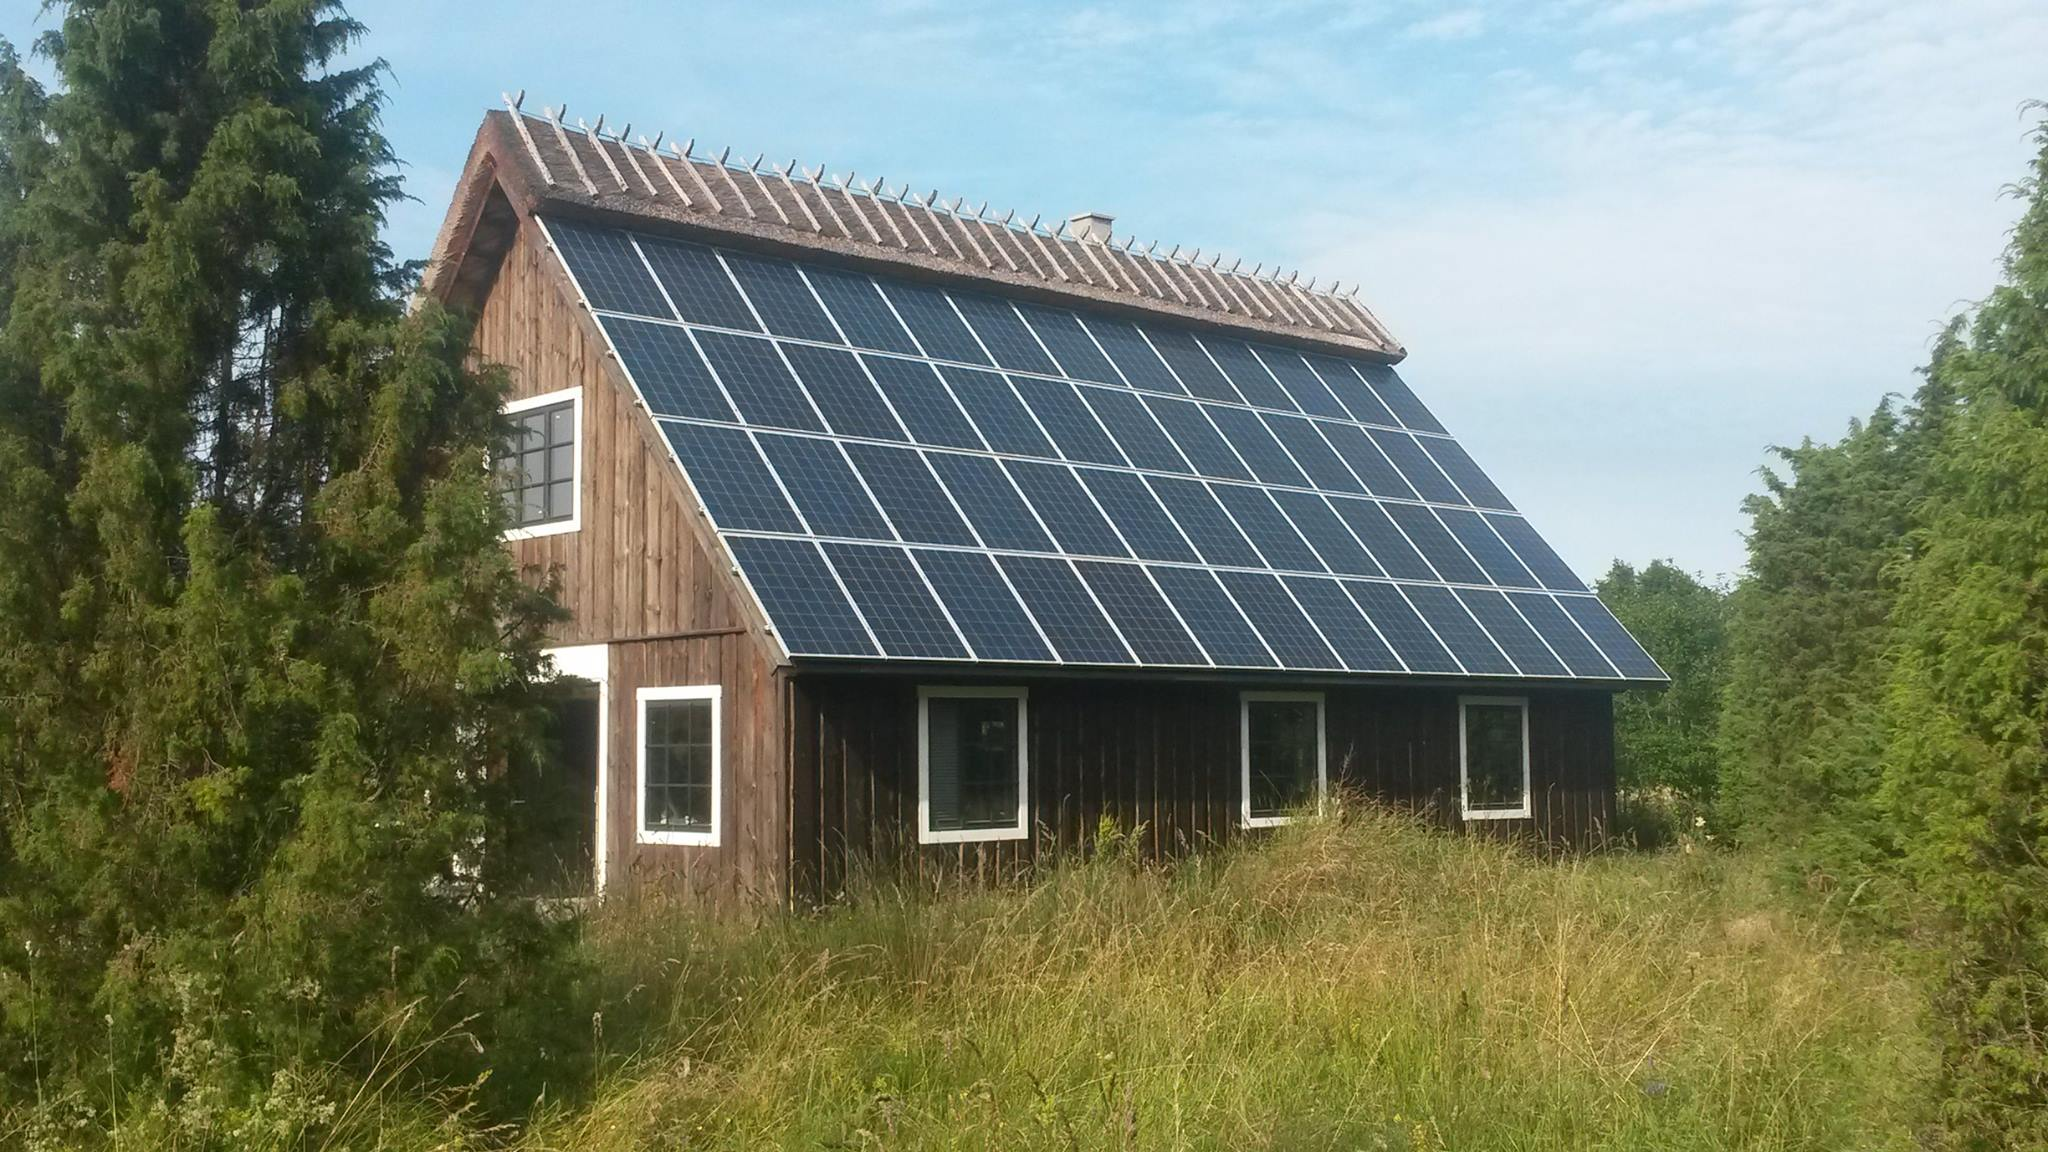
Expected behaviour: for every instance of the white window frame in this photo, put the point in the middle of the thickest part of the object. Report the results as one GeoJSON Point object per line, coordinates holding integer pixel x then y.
{"type": "Point", "coordinates": [575, 521]}
{"type": "Point", "coordinates": [1245, 700]}
{"type": "Point", "coordinates": [641, 832]}
{"type": "Point", "coordinates": [1526, 810]}
{"type": "Point", "coordinates": [926, 834]}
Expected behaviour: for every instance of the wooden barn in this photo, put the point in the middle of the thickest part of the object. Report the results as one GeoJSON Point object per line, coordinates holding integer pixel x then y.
{"type": "Point", "coordinates": [891, 528]}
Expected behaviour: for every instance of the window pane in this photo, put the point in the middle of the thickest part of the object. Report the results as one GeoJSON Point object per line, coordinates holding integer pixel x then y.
{"type": "Point", "coordinates": [972, 762]}
{"type": "Point", "coordinates": [1493, 756]}
{"type": "Point", "coordinates": [562, 424]}
{"type": "Point", "coordinates": [561, 462]}
{"type": "Point", "coordinates": [679, 765]}
{"type": "Point", "coordinates": [1280, 742]}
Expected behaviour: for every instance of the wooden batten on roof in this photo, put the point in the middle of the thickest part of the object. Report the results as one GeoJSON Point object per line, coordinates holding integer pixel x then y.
{"type": "Point", "coordinates": [522, 164]}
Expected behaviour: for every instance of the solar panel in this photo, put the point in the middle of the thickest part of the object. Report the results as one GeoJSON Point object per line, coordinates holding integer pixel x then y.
{"type": "Point", "coordinates": [901, 612]}
{"type": "Point", "coordinates": [1155, 634]}
{"type": "Point", "coordinates": [811, 613]}
{"type": "Point", "coordinates": [982, 605]}
{"type": "Point", "coordinates": [698, 286]}
{"type": "Point", "coordinates": [909, 496]}
{"type": "Point", "coordinates": [991, 502]}
{"type": "Point", "coordinates": [855, 302]}
{"type": "Point", "coordinates": [758, 381]}
{"type": "Point", "coordinates": [842, 392]}
{"type": "Point", "coordinates": [735, 484]}
{"type": "Point", "coordinates": [664, 363]}
{"type": "Point", "coordinates": [1057, 502]}
{"type": "Point", "coordinates": [1065, 610]}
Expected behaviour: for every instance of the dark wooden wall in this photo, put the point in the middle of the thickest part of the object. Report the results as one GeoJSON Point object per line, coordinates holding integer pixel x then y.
{"type": "Point", "coordinates": [1162, 755]}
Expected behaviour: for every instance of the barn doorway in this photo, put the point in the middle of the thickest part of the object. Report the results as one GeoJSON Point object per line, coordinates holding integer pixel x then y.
{"type": "Point", "coordinates": [555, 845]}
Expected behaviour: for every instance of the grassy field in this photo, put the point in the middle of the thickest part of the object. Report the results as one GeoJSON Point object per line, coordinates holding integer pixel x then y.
{"type": "Point", "coordinates": [1360, 983]}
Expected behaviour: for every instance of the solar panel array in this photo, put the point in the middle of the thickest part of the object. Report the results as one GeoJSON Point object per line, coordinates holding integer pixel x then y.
{"type": "Point", "coordinates": [908, 472]}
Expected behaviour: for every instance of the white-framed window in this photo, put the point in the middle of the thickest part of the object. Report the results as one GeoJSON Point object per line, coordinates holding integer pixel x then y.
{"type": "Point", "coordinates": [1493, 757]}
{"type": "Point", "coordinates": [680, 765]}
{"type": "Point", "coordinates": [541, 472]}
{"type": "Point", "coordinates": [973, 776]}
{"type": "Point", "coordinates": [1281, 755]}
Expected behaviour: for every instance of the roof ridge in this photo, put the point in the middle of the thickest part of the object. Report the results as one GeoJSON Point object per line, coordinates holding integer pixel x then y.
{"type": "Point", "coordinates": [874, 216]}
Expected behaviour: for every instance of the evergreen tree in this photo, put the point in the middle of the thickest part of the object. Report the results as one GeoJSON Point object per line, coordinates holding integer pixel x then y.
{"type": "Point", "coordinates": [260, 647]}
{"type": "Point", "coordinates": [1665, 741]}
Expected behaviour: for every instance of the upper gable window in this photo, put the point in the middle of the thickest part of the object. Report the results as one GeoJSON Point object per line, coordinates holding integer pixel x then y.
{"type": "Point", "coordinates": [542, 468]}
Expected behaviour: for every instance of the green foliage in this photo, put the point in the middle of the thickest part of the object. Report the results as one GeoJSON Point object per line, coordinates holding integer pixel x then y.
{"type": "Point", "coordinates": [260, 646]}
{"type": "Point", "coordinates": [1666, 740]}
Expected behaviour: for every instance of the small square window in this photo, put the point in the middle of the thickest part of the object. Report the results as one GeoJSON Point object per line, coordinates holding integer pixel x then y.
{"type": "Point", "coordinates": [972, 777]}
{"type": "Point", "coordinates": [1282, 756]}
{"type": "Point", "coordinates": [1493, 757]}
{"type": "Point", "coordinates": [539, 472]}
{"type": "Point", "coordinates": [680, 765]}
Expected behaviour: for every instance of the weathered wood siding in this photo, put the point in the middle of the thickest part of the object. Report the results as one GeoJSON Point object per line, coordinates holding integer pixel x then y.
{"type": "Point", "coordinates": [642, 575]}
{"type": "Point", "coordinates": [1163, 755]}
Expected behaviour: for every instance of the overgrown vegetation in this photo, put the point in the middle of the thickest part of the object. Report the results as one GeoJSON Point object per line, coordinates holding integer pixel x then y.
{"type": "Point", "coordinates": [1666, 744]}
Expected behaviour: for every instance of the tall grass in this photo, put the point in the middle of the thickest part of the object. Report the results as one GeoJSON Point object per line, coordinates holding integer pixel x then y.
{"type": "Point", "coordinates": [1359, 982]}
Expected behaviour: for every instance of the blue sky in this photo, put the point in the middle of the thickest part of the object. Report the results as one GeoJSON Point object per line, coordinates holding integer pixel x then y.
{"type": "Point", "coordinates": [1629, 245]}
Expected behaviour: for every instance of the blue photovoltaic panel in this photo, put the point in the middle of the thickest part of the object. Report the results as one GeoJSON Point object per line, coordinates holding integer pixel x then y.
{"type": "Point", "coordinates": [1065, 610]}
{"type": "Point", "coordinates": [1270, 531]}
{"type": "Point", "coordinates": [823, 487]}
{"type": "Point", "coordinates": [921, 399]}
{"type": "Point", "coordinates": [797, 590]}
{"type": "Point", "coordinates": [932, 320]}
{"type": "Point", "coordinates": [1072, 426]}
{"type": "Point", "coordinates": [909, 496]}
{"type": "Point", "coordinates": [1435, 543]}
{"type": "Point", "coordinates": [1498, 560]}
{"type": "Point", "coordinates": [698, 286]}
{"type": "Point", "coordinates": [893, 599]}
{"type": "Point", "coordinates": [1143, 442]}
{"type": "Point", "coordinates": [1390, 549]}
{"type": "Point", "coordinates": [1537, 555]}
{"type": "Point", "coordinates": [1620, 647]}
{"type": "Point", "coordinates": [1082, 439]}
{"type": "Point", "coordinates": [1395, 393]}
{"type": "Point", "coordinates": [1299, 436]}
{"type": "Point", "coordinates": [1325, 533]}
{"type": "Point", "coordinates": [843, 392]}
{"type": "Point", "coordinates": [1136, 514]}
{"type": "Point", "coordinates": [1456, 628]}
{"type": "Point", "coordinates": [1253, 381]}
{"type": "Point", "coordinates": [983, 606]}
{"type": "Point", "coordinates": [1141, 367]}
{"type": "Point", "coordinates": [1564, 637]}
{"type": "Point", "coordinates": [1342, 625]}
{"type": "Point", "coordinates": [1061, 333]}
{"type": "Point", "coordinates": [1351, 391]}
{"type": "Point", "coordinates": [1197, 373]}
{"type": "Point", "coordinates": [991, 502]}
{"type": "Point", "coordinates": [1204, 523]}
{"type": "Point", "coordinates": [1197, 439]}
{"type": "Point", "coordinates": [1511, 632]}
{"type": "Point", "coordinates": [863, 315]}
{"type": "Point", "coordinates": [1248, 435]}
{"type": "Point", "coordinates": [664, 363]}
{"type": "Point", "coordinates": [1465, 474]}
{"type": "Point", "coordinates": [782, 298]}
{"type": "Point", "coordinates": [1274, 613]}
{"type": "Point", "coordinates": [758, 381]}
{"type": "Point", "coordinates": [1303, 385]}
{"type": "Point", "coordinates": [1366, 460]}
{"type": "Point", "coordinates": [609, 270]}
{"type": "Point", "coordinates": [1141, 614]}
{"type": "Point", "coordinates": [1065, 507]}
{"type": "Point", "coordinates": [1004, 335]}
{"type": "Point", "coordinates": [1402, 627]}
{"type": "Point", "coordinates": [731, 479]}
{"type": "Point", "coordinates": [996, 410]}
{"type": "Point", "coordinates": [1428, 480]}
{"type": "Point", "coordinates": [1213, 617]}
